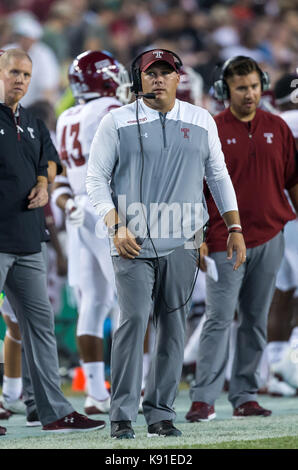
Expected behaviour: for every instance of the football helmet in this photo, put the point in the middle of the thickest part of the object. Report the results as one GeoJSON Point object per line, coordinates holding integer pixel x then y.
{"type": "Point", "coordinates": [94, 74]}
{"type": "Point", "coordinates": [190, 88]}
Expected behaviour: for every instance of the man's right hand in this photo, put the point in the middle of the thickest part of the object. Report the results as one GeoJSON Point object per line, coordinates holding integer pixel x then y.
{"type": "Point", "coordinates": [203, 253]}
{"type": "Point", "coordinates": [126, 244]}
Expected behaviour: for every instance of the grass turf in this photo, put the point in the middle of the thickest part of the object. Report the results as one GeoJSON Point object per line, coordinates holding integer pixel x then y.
{"type": "Point", "coordinates": [279, 431]}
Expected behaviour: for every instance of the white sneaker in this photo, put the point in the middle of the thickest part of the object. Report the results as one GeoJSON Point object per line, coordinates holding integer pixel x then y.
{"type": "Point", "coordinates": [17, 406]}
{"type": "Point", "coordinates": [287, 368]}
{"type": "Point", "coordinates": [93, 406]}
{"type": "Point", "coordinates": [279, 388]}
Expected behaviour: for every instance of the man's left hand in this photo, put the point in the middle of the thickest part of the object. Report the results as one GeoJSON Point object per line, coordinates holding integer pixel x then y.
{"type": "Point", "coordinates": [38, 196]}
{"type": "Point", "coordinates": [236, 243]}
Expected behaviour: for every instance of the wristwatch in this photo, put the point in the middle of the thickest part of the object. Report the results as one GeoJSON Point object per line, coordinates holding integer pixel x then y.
{"type": "Point", "coordinates": [114, 229]}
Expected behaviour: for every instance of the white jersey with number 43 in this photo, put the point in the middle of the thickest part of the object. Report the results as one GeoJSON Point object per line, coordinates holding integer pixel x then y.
{"type": "Point", "coordinates": [75, 131]}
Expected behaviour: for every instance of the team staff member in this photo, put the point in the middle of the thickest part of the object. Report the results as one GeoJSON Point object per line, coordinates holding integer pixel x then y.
{"type": "Point", "coordinates": [180, 147]}
{"type": "Point", "coordinates": [260, 152]}
{"type": "Point", "coordinates": [23, 190]}
{"type": "Point", "coordinates": [99, 83]}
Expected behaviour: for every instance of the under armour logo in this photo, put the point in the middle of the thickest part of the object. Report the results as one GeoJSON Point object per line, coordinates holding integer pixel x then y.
{"type": "Point", "coordinates": [145, 135]}
{"type": "Point", "coordinates": [231, 141]}
{"type": "Point", "coordinates": [268, 136]}
{"type": "Point", "coordinates": [31, 132]}
{"type": "Point", "coordinates": [68, 420]}
{"type": "Point", "coordinates": [158, 54]}
{"type": "Point", "coordinates": [2, 131]}
{"type": "Point", "coordinates": [185, 130]}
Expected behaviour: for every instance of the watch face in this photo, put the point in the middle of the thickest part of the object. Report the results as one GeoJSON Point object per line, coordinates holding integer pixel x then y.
{"type": "Point", "coordinates": [111, 231]}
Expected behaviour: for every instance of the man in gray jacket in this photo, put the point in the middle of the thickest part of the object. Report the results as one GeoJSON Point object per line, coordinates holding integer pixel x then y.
{"type": "Point", "coordinates": [145, 177]}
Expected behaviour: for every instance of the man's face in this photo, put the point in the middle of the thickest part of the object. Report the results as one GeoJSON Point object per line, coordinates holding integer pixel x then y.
{"type": "Point", "coordinates": [16, 76]}
{"type": "Point", "coordinates": [160, 78]}
{"type": "Point", "coordinates": [245, 94]}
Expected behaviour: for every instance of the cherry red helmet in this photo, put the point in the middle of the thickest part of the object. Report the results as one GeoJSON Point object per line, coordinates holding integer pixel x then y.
{"type": "Point", "coordinates": [94, 74]}
{"type": "Point", "coordinates": [190, 88]}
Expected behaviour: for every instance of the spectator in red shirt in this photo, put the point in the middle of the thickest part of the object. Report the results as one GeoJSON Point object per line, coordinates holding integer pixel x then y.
{"type": "Point", "coordinates": [260, 154]}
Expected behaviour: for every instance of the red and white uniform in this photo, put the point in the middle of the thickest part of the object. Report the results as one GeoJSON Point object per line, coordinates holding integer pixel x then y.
{"type": "Point", "coordinates": [90, 266]}
{"type": "Point", "coordinates": [287, 276]}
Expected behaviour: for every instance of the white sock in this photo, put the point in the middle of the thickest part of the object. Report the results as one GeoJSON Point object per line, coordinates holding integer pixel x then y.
{"type": "Point", "coordinates": [192, 347]}
{"type": "Point", "coordinates": [95, 380]}
{"type": "Point", "coordinates": [275, 351]}
{"type": "Point", "coordinates": [146, 365]}
{"type": "Point", "coordinates": [293, 341]}
{"type": "Point", "coordinates": [12, 388]}
{"type": "Point", "coordinates": [264, 369]}
{"type": "Point", "coordinates": [232, 347]}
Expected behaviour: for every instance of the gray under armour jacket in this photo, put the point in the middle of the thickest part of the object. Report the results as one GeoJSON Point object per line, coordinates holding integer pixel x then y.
{"type": "Point", "coordinates": [180, 149]}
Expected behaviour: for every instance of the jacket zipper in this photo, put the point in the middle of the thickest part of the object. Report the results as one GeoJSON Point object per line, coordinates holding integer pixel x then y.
{"type": "Point", "coordinates": [162, 118]}
{"type": "Point", "coordinates": [17, 122]}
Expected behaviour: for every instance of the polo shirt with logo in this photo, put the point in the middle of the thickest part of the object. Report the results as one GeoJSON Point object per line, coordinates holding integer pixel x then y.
{"type": "Point", "coordinates": [261, 159]}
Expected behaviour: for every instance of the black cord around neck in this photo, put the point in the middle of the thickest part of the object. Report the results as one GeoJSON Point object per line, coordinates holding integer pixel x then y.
{"type": "Point", "coordinates": [169, 309]}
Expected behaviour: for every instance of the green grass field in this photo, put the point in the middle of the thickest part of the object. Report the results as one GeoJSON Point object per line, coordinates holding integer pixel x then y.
{"type": "Point", "coordinates": [279, 431]}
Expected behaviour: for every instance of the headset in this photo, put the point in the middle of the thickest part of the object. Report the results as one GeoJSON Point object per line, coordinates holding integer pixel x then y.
{"type": "Point", "coordinates": [136, 73]}
{"type": "Point", "coordinates": [221, 89]}
{"type": "Point", "coordinates": [137, 89]}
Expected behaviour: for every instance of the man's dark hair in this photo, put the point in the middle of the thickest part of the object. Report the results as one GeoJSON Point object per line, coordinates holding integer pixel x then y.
{"type": "Point", "coordinates": [241, 66]}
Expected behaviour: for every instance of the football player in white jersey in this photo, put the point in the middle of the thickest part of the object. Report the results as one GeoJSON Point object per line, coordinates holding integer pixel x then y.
{"type": "Point", "coordinates": [190, 87]}
{"type": "Point", "coordinates": [99, 83]}
{"type": "Point", "coordinates": [281, 353]}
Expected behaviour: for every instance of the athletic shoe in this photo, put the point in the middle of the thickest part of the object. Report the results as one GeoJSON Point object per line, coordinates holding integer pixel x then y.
{"type": "Point", "coordinates": [74, 422]}
{"type": "Point", "coordinates": [33, 419]}
{"type": "Point", "coordinates": [163, 429]}
{"type": "Point", "coordinates": [250, 408]}
{"type": "Point", "coordinates": [4, 414]}
{"type": "Point", "coordinates": [278, 388]}
{"type": "Point", "coordinates": [16, 407]}
{"type": "Point", "coordinates": [2, 431]}
{"type": "Point", "coordinates": [287, 368]}
{"type": "Point", "coordinates": [200, 411]}
{"type": "Point", "coordinates": [122, 430]}
{"type": "Point", "coordinates": [93, 406]}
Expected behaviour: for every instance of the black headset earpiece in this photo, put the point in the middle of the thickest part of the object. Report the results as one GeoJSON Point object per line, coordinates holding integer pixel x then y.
{"type": "Point", "coordinates": [135, 69]}
{"type": "Point", "coordinates": [221, 89]}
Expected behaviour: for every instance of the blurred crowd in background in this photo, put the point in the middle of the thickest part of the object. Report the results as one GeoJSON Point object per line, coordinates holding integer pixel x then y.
{"type": "Point", "coordinates": [204, 33]}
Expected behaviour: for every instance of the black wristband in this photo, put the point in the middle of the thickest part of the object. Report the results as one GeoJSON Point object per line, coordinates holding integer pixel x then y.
{"type": "Point", "coordinates": [114, 229]}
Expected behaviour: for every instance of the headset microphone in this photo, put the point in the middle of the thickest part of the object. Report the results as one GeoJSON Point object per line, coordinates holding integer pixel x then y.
{"type": "Point", "coordinates": [149, 96]}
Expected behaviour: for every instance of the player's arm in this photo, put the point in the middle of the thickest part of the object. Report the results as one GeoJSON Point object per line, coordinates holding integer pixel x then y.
{"type": "Point", "coordinates": [63, 197]}
{"type": "Point", "coordinates": [50, 151]}
{"type": "Point", "coordinates": [293, 193]}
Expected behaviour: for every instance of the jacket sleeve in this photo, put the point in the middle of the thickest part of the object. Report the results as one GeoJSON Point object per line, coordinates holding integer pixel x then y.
{"type": "Point", "coordinates": [47, 146]}
{"type": "Point", "coordinates": [216, 173]}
